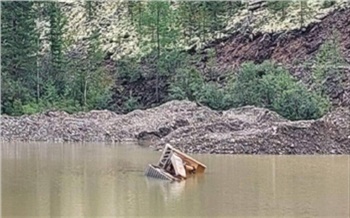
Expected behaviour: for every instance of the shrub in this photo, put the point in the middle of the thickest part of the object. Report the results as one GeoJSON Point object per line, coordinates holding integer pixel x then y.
{"type": "Point", "coordinates": [131, 104]}
{"type": "Point", "coordinates": [270, 86]}
{"type": "Point", "coordinates": [172, 60]}
{"type": "Point", "coordinates": [16, 108]}
{"type": "Point", "coordinates": [297, 103]}
{"type": "Point", "coordinates": [186, 85]}
{"type": "Point", "coordinates": [328, 3]}
{"type": "Point", "coordinates": [129, 70]}
{"type": "Point", "coordinates": [214, 97]}
{"type": "Point", "coordinates": [31, 108]}
{"type": "Point", "coordinates": [278, 6]}
{"type": "Point", "coordinates": [67, 105]}
{"type": "Point", "coordinates": [248, 87]}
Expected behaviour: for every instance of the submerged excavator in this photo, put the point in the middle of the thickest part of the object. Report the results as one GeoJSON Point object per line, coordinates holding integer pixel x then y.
{"type": "Point", "coordinates": [174, 165]}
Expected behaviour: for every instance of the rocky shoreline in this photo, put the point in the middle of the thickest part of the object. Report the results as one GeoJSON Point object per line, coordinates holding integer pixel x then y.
{"type": "Point", "coordinates": [191, 128]}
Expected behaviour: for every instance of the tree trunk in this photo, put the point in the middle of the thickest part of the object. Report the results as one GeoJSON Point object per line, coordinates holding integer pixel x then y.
{"type": "Point", "coordinates": [85, 90]}
{"type": "Point", "coordinates": [140, 15]}
{"type": "Point", "coordinates": [130, 8]}
{"type": "Point", "coordinates": [37, 83]}
{"type": "Point", "coordinates": [301, 14]}
{"type": "Point", "coordinates": [37, 77]}
{"type": "Point", "coordinates": [158, 55]}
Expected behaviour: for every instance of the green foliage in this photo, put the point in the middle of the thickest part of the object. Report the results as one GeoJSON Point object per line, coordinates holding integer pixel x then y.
{"type": "Point", "coordinates": [50, 93]}
{"type": "Point", "coordinates": [98, 96]}
{"type": "Point", "coordinates": [134, 69]}
{"type": "Point", "coordinates": [187, 18]}
{"type": "Point", "coordinates": [328, 3]}
{"type": "Point", "coordinates": [304, 12]}
{"type": "Point", "coordinates": [12, 91]}
{"type": "Point", "coordinates": [131, 104]}
{"type": "Point", "coordinates": [244, 88]}
{"type": "Point", "coordinates": [129, 69]}
{"type": "Point", "coordinates": [67, 105]}
{"type": "Point", "coordinates": [19, 46]}
{"type": "Point", "coordinates": [202, 18]}
{"type": "Point", "coordinates": [327, 62]}
{"type": "Point", "coordinates": [296, 103]}
{"type": "Point", "coordinates": [264, 85]}
{"type": "Point", "coordinates": [269, 86]}
{"type": "Point", "coordinates": [57, 27]}
{"type": "Point", "coordinates": [89, 83]}
{"type": "Point", "coordinates": [213, 15]}
{"type": "Point", "coordinates": [214, 97]}
{"type": "Point", "coordinates": [171, 60]}
{"type": "Point", "coordinates": [78, 79]}
{"type": "Point", "coordinates": [90, 8]}
{"type": "Point", "coordinates": [158, 31]}
{"type": "Point", "coordinates": [31, 108]}
{"type": "Point", "coordinates": [157, 26]}
{"type": "Point", "coordinates": [33, 82]}
{"type": "Point", "coordinates": [278, 7]}
{"type": "Point", "coordinates": [186, 85]}
{"type": "Point", "coordinates": [16, 108]}
{"type": "Point", "coordinates": [280, 92]}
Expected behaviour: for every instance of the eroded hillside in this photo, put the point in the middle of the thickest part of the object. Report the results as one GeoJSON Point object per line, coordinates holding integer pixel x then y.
{"type": "Point", "coordinates": [127, 55]}
{"type": "Point", "coordinates": [120, 38]}
{"type": "Point", "coordinates": [287, 46]}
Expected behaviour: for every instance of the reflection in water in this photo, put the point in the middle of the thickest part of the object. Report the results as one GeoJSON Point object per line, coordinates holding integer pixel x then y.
{"type": "Point", "coordinates": [170, 190]}
{"type": "Point", "coordinates": [107, 180]}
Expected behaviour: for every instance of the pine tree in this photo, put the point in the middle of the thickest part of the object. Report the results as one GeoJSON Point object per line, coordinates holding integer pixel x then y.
{"type": "Point", "coordinates": [18, 54]}
{"type": "Point", "coordinates": [57, 28]}
{"type": "Point", "coordinates": [328, 63]}
{"type": "Point", "coordinates": [89, 84]}
{"type": "Point", "coordinates": [217, 11]}
{"type": "Point", "coordinates": [279, 6]}
{"type": "Point", "coordinates": [204, 20]}
{"type": "Point", "coordinates": [158, 25]}
{"type": "Point", "coordinates": [188, 13]}
{"type": "Point", "coordinates": [304, 12]}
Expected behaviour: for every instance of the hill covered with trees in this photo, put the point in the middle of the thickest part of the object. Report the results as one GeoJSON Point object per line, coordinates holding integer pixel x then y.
{"type": "Point", "coordinates": [290, 57]}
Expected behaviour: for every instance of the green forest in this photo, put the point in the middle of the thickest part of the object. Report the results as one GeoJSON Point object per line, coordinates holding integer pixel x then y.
{"type": "Point", "coordinates": [46, 70]}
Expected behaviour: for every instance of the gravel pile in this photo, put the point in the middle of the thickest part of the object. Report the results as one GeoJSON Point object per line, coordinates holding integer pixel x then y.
{"type": "Point", "coordinates": [193, 129]}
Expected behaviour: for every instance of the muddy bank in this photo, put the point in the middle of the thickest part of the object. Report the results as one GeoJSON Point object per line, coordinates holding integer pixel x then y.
{"type": "Point", "coordinates": [193, 129]}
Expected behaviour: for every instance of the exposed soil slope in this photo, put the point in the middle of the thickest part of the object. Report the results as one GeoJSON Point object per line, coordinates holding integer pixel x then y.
{"type": "Point", "coordinates": [286, 47]}
{"type": "Point", "coordinates": [194, 129]}
{"type": "Point", "coordinates": [290, 48]}
{"type": "Point", "coordinates": [120, 38]}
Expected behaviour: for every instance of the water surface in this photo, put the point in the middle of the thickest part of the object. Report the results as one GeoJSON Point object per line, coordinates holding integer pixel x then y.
{"type": "Point", "coordinates": [107, 180]}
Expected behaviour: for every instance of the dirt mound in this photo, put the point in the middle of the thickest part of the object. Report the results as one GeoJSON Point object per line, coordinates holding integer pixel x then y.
{"type": "Point", "coordinates": [251, 114]}
{"type": "Point", "coordinates": [252, 130]}
{"type": "Point", "coordinates": [194, 129]}
{"type": "Point", "coordinates": [101, 125]}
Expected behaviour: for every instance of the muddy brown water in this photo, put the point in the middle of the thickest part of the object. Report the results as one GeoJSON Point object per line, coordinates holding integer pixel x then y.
{"type": "Point", "coordinates": [97, 180]}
